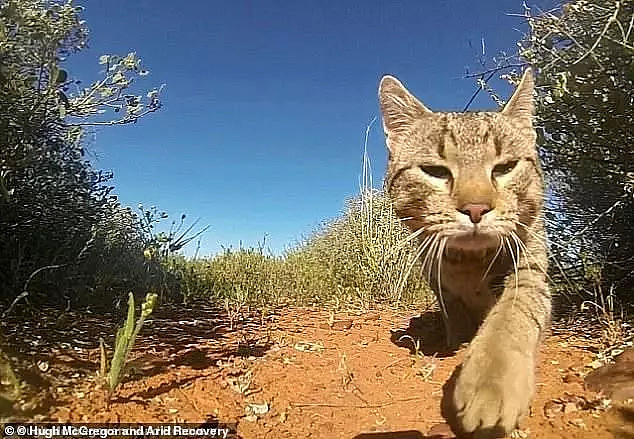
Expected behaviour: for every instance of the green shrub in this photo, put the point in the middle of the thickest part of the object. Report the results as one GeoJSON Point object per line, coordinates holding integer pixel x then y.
{"type": "Point", "coordinates": [59, 221]}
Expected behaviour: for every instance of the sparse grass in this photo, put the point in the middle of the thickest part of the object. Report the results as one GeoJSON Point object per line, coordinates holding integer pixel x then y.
{"type": "Point", "coordinates": [364, 255]}
{"type": "Point", "coordinates": [246, 277]}
{"type": "Point", "coordinates": [601, 305]}
{"type": "Point", "coordinates": [359, 259]}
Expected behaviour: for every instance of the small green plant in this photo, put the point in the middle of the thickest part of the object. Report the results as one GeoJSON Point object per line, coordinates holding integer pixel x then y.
{"type": "Point", "coordinates": [10, 385]}
{"type": "Point", "coordinates": [124, 342]}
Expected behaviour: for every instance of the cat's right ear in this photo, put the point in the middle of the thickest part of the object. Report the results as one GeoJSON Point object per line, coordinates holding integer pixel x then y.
{"type": "Point", "coordinates": [399, 107]}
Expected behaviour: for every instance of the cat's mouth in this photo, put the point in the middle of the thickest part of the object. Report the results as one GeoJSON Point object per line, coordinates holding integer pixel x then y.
{"type": "Point", "coordinates": [474, 239]}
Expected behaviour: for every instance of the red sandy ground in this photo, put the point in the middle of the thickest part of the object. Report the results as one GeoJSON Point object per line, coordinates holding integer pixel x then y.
{"type": "Point", "coordinates": [310, 376]}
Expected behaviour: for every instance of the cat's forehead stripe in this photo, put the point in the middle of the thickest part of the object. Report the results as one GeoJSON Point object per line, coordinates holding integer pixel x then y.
{"type": "Point", "coordinates": [457, 130]}
{"type": "Point", "coordinates": [444, 131]}
{"type": "Point", "coordinates": [498, 146]}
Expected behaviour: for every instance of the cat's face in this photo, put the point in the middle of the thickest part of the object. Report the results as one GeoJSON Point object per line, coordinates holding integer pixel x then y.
{"type": "Point", "coordinates": [471, 179]}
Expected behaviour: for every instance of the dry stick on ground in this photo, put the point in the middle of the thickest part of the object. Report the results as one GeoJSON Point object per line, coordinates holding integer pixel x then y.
{"type": "Point", "coordinates": [397, 361]}
{"type": "Point", "coordinates": [356, 406]}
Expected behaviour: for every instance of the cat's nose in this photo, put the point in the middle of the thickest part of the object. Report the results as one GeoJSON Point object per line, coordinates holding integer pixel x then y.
{"type": "Point", "coordinates": [475, 211]}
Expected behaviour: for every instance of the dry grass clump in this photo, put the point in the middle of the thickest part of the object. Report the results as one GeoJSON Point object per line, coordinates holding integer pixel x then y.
{"type": "Point", "coordinates": [359, 259]}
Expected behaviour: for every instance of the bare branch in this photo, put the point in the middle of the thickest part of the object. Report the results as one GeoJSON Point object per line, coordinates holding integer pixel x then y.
{"type": "Point", "coordinates": [611, 20]}
{"type": "Point", "coordinates": [496, 70]}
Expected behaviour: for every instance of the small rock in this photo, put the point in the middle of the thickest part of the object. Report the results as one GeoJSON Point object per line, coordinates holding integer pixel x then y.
{"type": "Point", "coordinates": [520, 434]}
{"type": "Point", "coordinates": [257, 409]}
{"type": "Point", "coordinates": [441, 431]}
{"type": "Point", "coordinates": [371, 316]}
{"type": "Point", "coordinates": [341, 325]}
{"type": "Point", "coordinates": [572, 377]}
{"type": "Point", "coordinates": [578, 422]}
{"type": "Point", "coordinates": [305, 346]}
{"type": "Point", "coordinates": [551, 408]}
{"type": "Point", "coordinates": [337, 325]}
{"type": "Point", "coordinates": [596, 364]}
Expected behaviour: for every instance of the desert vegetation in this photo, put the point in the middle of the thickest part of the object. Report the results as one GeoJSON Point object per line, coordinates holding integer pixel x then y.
{"type": "Point", "coordinates": [66, 240]}
{"type": "Point", "coordinates": [583, 54]}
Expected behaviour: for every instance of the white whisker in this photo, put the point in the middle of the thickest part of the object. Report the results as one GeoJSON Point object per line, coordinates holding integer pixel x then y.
{"type": "Point", "coordinates": [428, 261]}
{"type": "Point", "coordinates": [521, 246]}
{"type": "Point", "coordinates": [441, 300]}
{"type": "Point", "coordinates": [419, 251]}
{"type": "Point", "coordinates": [517, 285]}
{"type": "Point", "coordinates": [497, 253]}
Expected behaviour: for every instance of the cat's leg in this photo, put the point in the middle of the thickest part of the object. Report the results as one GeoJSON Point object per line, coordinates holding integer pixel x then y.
{"type": "Point", "coordinates": [495, 384]}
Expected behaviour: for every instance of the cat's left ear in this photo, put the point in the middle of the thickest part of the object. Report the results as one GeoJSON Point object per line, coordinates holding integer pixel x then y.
{"type": "Point", "coordinates": [522, 105]}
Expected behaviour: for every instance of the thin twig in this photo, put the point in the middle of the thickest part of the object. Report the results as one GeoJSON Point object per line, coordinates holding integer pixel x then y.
{"type": "Point", "coordinates": [25, 289]}
{"type": "Point", "coordinates": [605, 29]}
{"type": "Point", "coordinates": [356, 406]}
{"type": "Point", "coordinates": [123, 121]}
{"type": "Point", "coordinates": [191, 401]}
{"type": "Point", "coordinates": [616, 204]}
{"type": "Point", "coordinates": [495, 70]}
{"type": "Point", "coordinates": [629, 29]}
{"type": "Point", "coordinates": [477, 92]}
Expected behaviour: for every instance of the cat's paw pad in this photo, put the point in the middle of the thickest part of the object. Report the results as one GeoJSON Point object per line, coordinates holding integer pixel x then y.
{"type": "Point", "coordinates": [493, 392]}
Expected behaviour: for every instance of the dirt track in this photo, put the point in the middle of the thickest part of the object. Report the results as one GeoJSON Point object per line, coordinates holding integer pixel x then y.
{"type": "Point", "coordinates": [300, 374]}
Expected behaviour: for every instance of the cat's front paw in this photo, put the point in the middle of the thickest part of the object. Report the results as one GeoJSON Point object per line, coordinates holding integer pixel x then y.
{"type": "Point", "coordinates": [493, 390]}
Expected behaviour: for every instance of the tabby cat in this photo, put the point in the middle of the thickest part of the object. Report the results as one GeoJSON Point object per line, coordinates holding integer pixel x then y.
{"type": "Point", "coordinates": [469, 186]}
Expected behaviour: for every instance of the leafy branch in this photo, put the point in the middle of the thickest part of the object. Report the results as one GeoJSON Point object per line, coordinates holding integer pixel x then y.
{"type": "Point", "coordinates": [110, 95]}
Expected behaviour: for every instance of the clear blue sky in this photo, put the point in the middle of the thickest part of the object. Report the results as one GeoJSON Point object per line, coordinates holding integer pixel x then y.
{"type": "Point", "coordinates": [266, 102]}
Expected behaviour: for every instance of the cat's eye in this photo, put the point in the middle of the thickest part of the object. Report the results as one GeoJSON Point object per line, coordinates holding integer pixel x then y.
{"type": "Point", "coordinates": [504, 168]}
{"type": "Point", "coordinates": [437, 171]}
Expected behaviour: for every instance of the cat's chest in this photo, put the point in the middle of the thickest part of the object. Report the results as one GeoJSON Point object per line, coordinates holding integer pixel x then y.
{"type": "Point", "coordinates": [475, 281]}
